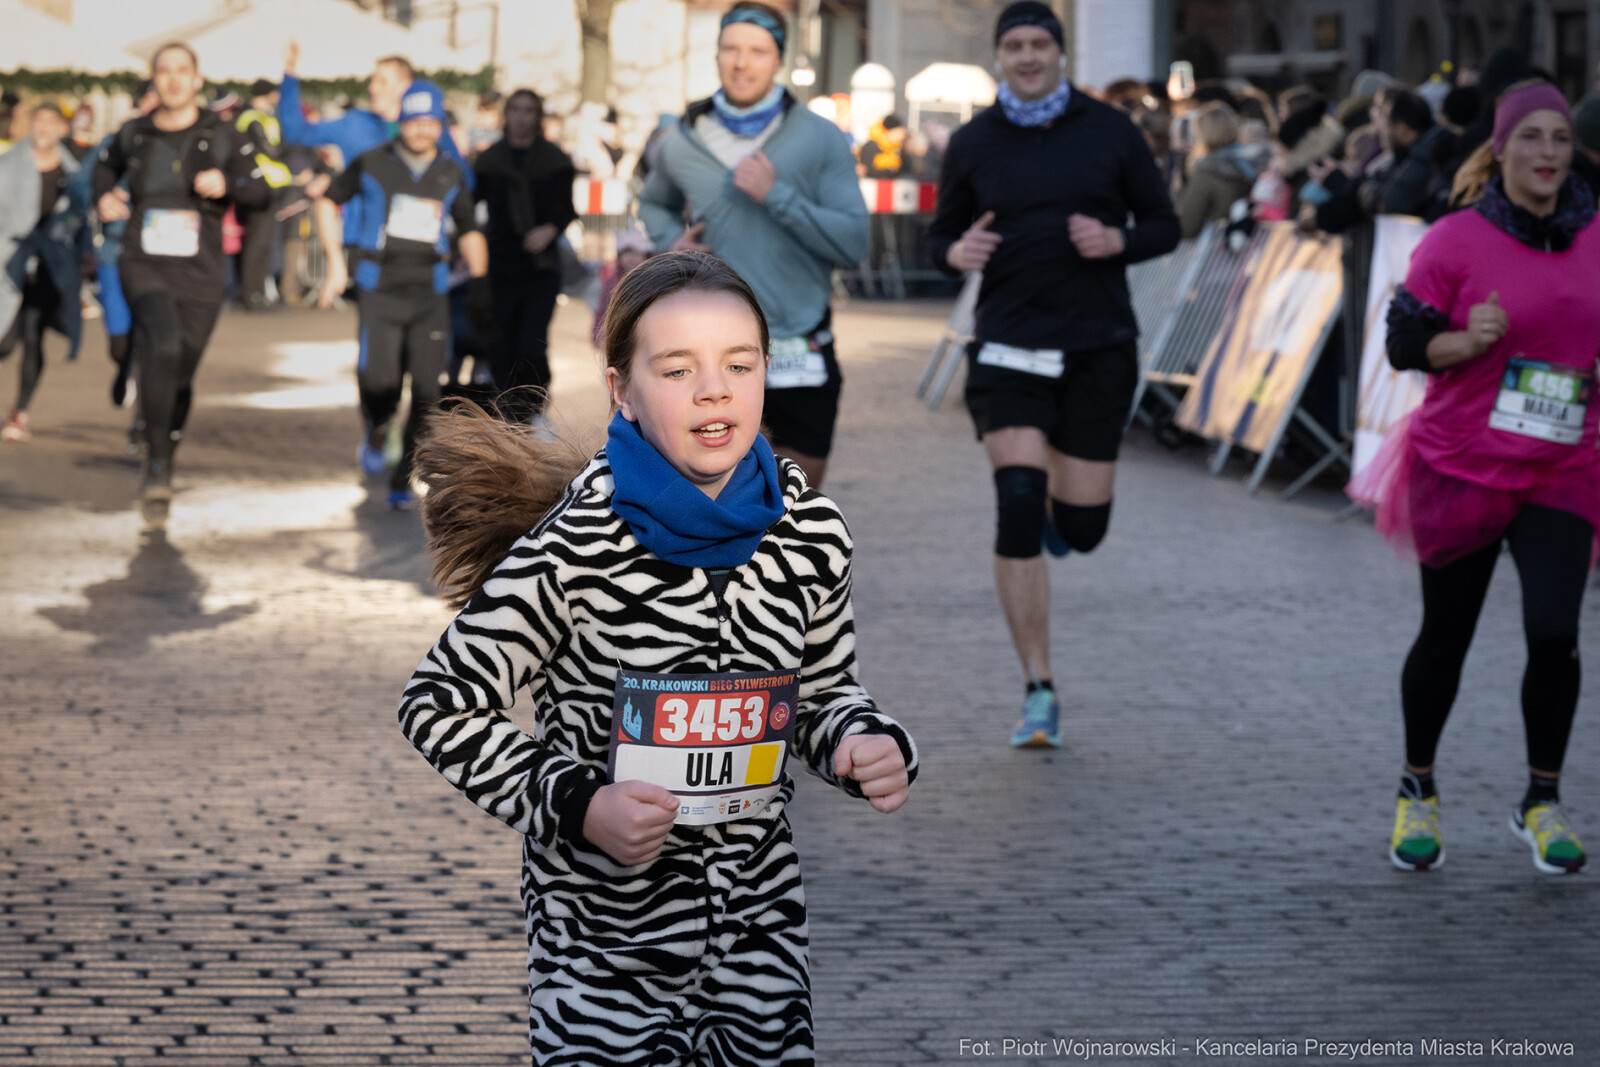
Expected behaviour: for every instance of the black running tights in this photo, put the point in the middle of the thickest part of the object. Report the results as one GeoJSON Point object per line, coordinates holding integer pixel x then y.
{"type": "Point", "coordinates": [169, 337]}
{"type": "Point", "coordinates": [1551, 549]}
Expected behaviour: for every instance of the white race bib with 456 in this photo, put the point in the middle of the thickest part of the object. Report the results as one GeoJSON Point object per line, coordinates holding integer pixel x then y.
{"type": "Point", "coordinates": [415, 218]}
{"type": "Point", "coordinates": [1542, 400]}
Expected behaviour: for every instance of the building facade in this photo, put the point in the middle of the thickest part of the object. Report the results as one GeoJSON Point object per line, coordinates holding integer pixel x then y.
{"type": "Point", "coordinates": [1326, 42]}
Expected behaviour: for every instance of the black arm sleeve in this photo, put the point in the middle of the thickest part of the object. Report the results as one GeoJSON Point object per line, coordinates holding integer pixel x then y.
{"type": "Point", "coordinates": [1412, 325]}
{"type": "Point", "coordinates": [955, 210]}
{"type": "Point", "coordinates": [562, 196]}
{"type": "Point", "coordinates": [1155, 230]}
{"type": "Point", "coordinates": [463, 209]}
{"type": "Point", "coordinates": [346, 183]}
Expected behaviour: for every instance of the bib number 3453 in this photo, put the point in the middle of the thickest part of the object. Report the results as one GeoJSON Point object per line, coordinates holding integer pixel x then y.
{"type": "Point", "coordinates": [718, 741]}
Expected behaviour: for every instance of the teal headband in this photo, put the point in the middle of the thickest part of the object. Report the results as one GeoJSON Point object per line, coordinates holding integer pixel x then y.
{"type": "Point", "coordinates": [758, 16]}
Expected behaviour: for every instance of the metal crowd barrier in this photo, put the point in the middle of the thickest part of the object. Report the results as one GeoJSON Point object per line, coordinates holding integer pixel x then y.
{"type": "Point", "coordinates": [1157, 288]}
{"type": "Point", "coordinates": [952, 346]}
{"type": "Point", "coordinates": [1213, 277]}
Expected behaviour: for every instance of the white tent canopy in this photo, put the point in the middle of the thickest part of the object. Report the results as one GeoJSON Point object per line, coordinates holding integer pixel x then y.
{"type": "Point", "coordinates": [957, 87]}
{"type": "Point", "coordinates": [32, 39]}
{"type": "Point", "coordinates": [337, 40]}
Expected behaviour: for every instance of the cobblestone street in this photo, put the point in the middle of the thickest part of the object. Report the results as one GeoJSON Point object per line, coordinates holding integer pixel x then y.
{"type": "Point", "coordinates": [217, 849]}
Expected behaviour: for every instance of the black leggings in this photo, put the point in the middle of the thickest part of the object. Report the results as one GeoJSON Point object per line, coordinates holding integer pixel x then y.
{"type": "Point", "coordinates": [169, 337]}
{"type": "Point", "coordinates": [40, 305]}
{"type": "Point", "coordinates": [1551, 549]}
{"type": "Point", "coordinates": [401, 334]}
{"type": "Point", "coordinates": [520, 358]}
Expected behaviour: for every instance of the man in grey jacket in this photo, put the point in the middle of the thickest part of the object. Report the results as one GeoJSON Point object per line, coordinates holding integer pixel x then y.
{"type": "Point", "coordinates": [771, 189]}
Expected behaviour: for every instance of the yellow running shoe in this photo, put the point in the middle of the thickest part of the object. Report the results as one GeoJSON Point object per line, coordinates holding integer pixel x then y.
{"type": "Point", "coordinates": [1556, 849]}
{"type": "Point", "coordinates": [1416, 844]}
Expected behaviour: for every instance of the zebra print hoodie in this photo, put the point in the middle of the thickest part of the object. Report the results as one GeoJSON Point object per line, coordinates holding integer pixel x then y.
{"type": "Point", "coordinates": [577, 599]}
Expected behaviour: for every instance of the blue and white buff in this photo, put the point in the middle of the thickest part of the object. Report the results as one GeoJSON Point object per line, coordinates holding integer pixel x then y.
{"type": "Point", "coordinates": [1033, 112]}
{"type": "Point", "coordinates": [748, 121]}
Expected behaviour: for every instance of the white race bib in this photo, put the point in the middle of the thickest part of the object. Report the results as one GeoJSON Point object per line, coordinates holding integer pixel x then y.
{"type": "Point", "coordinates": [719, 742]}
{"type": "Point", "coordinates": [170, 233]}
{"type": "Point", "coordinates": [1045, 362]}
{"type": "Point", "coordinates": [795, 363]}
{"type": "Point", "coordinates": [1542, 400]}
{"type": "Point", "coordinates": [415, 218]}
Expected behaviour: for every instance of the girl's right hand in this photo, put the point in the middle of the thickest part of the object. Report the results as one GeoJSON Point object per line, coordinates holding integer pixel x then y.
{"type": "Point", "coordinates": [629, 821]}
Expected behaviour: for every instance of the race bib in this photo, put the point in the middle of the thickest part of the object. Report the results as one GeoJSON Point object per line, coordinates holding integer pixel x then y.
{"type": "Point", "coordinates": [415, 218]}
{"type": "Point", "coordinates": [1045, 362]}
{"type": "Point", "coordinates": [170, 233]}
{"type": "Point", "coordinates": [796, 363]}
{"type": "Point", "coordinates": [1542, 400]}
{"type": "Point", "coordinates": [719, 742]}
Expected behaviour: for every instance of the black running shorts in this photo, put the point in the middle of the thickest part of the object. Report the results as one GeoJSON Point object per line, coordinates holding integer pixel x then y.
{"type": "Point", "coordinates": [801, 418]}
{"type": "Point", "coordinates": [1082, 413]}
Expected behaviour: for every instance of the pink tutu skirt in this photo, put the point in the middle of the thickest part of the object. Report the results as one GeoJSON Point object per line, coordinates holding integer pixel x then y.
{"type": "Point", "coordinates": [1437, 519]}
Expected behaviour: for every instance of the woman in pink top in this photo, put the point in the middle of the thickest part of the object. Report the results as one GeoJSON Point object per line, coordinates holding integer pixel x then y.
{"type": "Point", "coordinates": [1499, 307]}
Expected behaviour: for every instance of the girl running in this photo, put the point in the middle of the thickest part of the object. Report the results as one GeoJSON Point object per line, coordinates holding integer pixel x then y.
{"type": "Point", "coordinates": [680, 615]}
{"type": "Point", "coordinates": [1498, 306]}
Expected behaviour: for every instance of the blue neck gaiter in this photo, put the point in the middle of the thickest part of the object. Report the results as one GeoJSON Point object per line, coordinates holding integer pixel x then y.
{"type": "Point", "coordinates": [748, 121]}
{"type": "Point", "coordinates": [1032, 112]}
{"type": "Point", "coordinates": [675, 519]}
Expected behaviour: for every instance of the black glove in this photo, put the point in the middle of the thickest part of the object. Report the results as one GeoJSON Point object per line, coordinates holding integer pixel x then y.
{"type": "Point", "coordinates": [478, 302]}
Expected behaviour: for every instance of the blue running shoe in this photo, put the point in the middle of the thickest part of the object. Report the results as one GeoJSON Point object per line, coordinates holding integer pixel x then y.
{"type": "Point", "coordinates": [1041, 721]}
{"type": "Point", "coordinates": [402, 500]}
{"type": "Point", "coordinates": [373, 461]}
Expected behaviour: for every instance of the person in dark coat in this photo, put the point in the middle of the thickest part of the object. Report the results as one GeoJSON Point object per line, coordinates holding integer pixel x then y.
{"type": "Point", "coordinates": [526, 184]}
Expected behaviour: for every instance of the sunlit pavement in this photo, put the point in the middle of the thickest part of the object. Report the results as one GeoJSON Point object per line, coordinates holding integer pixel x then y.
{"type": "Point", "coordinates": [216, 847]}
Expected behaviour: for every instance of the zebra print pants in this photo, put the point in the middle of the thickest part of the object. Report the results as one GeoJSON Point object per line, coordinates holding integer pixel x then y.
{"type": "Point", "coordinates": [698, 957]}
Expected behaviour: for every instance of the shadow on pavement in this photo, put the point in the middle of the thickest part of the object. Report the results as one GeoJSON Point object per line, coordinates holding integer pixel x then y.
{"type": "Point", "coordinates": [393, 547]}
{"type": "Point", "coordinates": [14, 499]}
{"type": "Point", "coordinates": [160, 595]}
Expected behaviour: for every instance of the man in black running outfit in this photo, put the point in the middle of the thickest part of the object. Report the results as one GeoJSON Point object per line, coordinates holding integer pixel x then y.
{"type": "Point", "coordinates": [184, 166]}
{"type": "Point", "coordinates": [1051, 194]}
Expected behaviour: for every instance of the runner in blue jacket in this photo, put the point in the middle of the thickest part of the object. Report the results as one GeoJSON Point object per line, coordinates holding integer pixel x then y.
{"type": "Point", "coordinates": [358, 130]}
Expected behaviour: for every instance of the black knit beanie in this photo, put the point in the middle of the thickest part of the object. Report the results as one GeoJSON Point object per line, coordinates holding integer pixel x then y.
{"type": "Point", "coordinates": [1029, 13]}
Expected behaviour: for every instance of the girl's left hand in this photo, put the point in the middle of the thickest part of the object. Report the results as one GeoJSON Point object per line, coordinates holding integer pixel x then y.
{"type": "Point", "coordinates": [875, 762]}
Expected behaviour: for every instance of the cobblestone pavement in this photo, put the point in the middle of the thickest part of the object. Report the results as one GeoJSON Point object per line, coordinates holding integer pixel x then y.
{"type": "Point", "coordinates": [217, 849]}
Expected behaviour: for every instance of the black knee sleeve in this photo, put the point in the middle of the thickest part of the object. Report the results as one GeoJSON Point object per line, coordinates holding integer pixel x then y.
{"type": "Point", "coordinates": [1082, 528]}
{"type": "Point", "coordinates": [1020, 494]}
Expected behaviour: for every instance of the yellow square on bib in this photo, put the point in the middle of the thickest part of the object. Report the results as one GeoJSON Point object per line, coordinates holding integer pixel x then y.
{"type": "Point", "coordinates": [763, 764]}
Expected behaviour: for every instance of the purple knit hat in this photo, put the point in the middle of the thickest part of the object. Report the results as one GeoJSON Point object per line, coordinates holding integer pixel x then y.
{"type": "Point", "coordinates": [1518, 104]}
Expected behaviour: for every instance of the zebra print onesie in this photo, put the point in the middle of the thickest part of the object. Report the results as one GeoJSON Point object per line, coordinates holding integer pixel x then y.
{"type": "Point", "coordinates": [698, 956]}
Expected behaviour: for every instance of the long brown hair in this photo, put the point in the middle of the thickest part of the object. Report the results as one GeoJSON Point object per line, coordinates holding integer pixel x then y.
{"type": "Point", "coordinates": [489, 481]}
